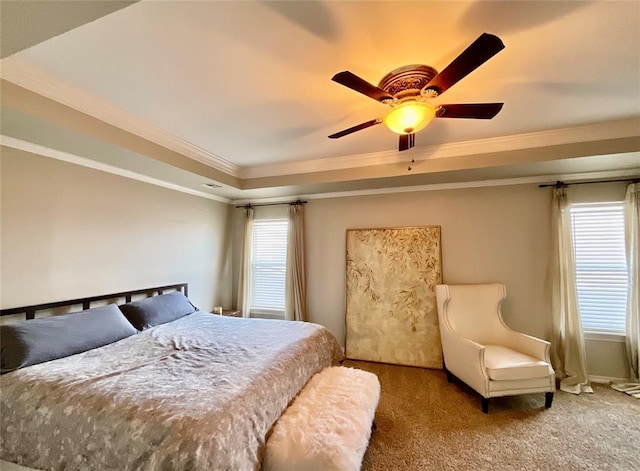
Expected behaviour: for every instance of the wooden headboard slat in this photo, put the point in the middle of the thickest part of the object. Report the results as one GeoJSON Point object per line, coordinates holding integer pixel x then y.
{"type": "Point", "coordinates": [30, 311]}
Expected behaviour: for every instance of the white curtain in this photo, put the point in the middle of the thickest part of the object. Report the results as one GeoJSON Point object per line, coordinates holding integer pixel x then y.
{"type": "Point", "coordinates": [295, 293]}
{"type": "Point", "coordinates": [567, 344]}
{"type": "Point", "coordinates": [244, 282]}
{"type": "Point", "coordinates": [632, 245]}
{"type": "Point", "coordinates": [632, 215]}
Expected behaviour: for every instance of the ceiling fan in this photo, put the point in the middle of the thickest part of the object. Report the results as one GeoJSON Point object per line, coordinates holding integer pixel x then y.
{"type": "Point", "coordinates": [406, 90]}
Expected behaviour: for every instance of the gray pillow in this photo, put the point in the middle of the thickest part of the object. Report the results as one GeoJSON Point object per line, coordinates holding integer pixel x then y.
{"type": "Point", "coordinates": [36, 341]}
{"type": "Point", "coordinates": [157, 310]}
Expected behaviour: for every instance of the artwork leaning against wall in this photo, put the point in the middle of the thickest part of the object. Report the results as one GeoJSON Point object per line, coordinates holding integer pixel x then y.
{"type": "Point", "coordinates": [391, 313]}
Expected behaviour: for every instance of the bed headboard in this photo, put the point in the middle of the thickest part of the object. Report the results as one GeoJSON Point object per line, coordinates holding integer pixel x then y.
{"type": "Point", "coordinates": [30, 311]}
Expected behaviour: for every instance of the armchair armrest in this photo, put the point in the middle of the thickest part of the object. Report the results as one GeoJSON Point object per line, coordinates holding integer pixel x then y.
{"type": "Point", "coordinates": [529, 345]}
{"type": "Point", "coordinates": [465, 359]}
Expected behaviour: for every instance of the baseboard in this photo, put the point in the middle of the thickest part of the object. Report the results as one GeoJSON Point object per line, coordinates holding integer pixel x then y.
{"type": "Point", "coordinates": [607, 379]}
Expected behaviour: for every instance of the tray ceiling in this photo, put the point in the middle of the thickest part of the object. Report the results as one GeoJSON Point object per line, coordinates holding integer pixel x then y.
{"type": "Point", "coordinates": [244, 87]}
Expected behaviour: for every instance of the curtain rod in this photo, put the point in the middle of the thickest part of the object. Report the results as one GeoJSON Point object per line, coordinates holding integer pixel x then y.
{"type": "Point", "coordinates": [560, 184]}
{"type": "Point", "coordinates": [250, 205]}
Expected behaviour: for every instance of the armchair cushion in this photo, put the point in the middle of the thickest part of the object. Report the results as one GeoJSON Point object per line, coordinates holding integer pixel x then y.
{"type": "Point", "coordinates": [503, 363]}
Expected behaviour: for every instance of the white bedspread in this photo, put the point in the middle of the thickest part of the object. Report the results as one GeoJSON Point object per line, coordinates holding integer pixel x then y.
{"type": "Point", "coordinates": [199, 393]}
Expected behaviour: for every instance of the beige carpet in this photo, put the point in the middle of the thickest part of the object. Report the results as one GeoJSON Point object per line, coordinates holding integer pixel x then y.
{"type": "Point", "coordinates": [425, 423]}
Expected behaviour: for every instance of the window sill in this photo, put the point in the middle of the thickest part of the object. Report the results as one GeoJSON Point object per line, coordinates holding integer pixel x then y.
{"type": "Point", "coordinates": [267, 314]}
{"type": "Point", "coordinates": [604, 337]}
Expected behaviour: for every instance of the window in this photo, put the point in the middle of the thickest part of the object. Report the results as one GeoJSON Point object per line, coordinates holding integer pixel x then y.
{"type": "Point", "coordinates": [601, 266]}
{"type": "Point", "coordinates": [268, 266]}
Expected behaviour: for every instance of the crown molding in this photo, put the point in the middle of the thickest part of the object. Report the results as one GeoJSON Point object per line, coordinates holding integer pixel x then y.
{"type": "Point", "coordinates": [19, 144]}
{"type": "Point", "coordinates": [537, 179]}
{"type": "Point", "coordinates": [39, 81]}
{"type": "Point", "coordinates": [585, 133]}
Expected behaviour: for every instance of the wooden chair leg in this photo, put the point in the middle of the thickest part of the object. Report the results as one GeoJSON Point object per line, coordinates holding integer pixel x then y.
{"type": "Point", "coordinates": [449, 376]}
{"type": "Point", "coordinates": [548, 399]}
{"type": "Point", "coordinates": [485, 405]}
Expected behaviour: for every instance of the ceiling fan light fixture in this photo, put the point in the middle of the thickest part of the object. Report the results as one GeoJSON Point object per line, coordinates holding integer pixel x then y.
{"type": "Point", "coordinates": [409, 117]}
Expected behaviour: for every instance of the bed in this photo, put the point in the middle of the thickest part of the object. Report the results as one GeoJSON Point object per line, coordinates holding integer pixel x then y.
{"type": "Point", "coordinates": [200, 392]}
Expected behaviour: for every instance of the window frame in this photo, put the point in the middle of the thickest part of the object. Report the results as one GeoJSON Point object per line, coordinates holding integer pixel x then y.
{"type": "Point", "coordinates": [268, 312]}
{"type": "Point", "coordinates": [594, 334]}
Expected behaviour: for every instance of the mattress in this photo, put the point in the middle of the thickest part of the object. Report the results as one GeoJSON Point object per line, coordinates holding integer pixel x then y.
{"type": "Point", "coordinates": [199, 393]}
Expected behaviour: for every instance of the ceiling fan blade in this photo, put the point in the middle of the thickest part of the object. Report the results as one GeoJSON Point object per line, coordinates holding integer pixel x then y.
{"type": "Point", "coordinates": [470, 110]}
{"type": "Point", "coordinates": [407, 141]}
{"type": "Point", "coordinates": [359, 127]}
{"type": "Point", "coordinates": [354, 82]}
{"type": "Point", "coordinates": [480, 51]}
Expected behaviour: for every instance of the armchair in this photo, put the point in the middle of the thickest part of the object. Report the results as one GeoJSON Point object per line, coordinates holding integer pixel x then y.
{"type": "Point", "coordinates": [483, 352]}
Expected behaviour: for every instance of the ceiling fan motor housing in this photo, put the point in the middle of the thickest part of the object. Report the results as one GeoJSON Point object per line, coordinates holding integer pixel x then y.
{"type": "Point", "coordinates": [407, 82]}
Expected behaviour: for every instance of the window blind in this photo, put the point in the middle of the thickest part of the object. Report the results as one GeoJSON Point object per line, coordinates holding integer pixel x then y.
{"type": "Point", "coordinates": [268, 264]}
{"type": "Point", "coordinates": [601, 266]}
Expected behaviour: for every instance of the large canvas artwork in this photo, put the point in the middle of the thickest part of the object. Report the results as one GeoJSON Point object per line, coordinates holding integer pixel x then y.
{"type": "Point", "coordinates": [392, 314]}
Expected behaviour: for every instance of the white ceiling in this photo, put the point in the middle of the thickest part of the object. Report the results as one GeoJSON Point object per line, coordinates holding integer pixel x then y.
{"type": "Point", "coordinates": [245, 86]}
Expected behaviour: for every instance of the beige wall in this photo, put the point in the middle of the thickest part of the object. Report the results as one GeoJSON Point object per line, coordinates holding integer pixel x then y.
{"type": "Point", "coordinates": [69, 231]}
{"type": "Point", "coordinates": [499, 234]}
